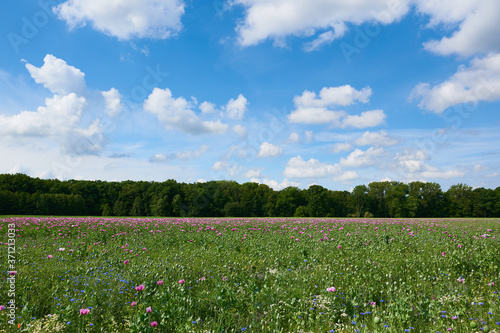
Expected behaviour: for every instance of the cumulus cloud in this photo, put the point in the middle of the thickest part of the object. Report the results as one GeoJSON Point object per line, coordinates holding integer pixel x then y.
{"type": "Point", "coordinates": [347, 176]}
{"type": "Point", "coordinates": [277, 19]}
{"type": "Point", "coordinates": [316, 116]}
{"type": "Point", "coordinates": [409, 155]}
{"type": "Point", "coordinates": [326, 37]}
{"type": "Point", "coordinates": [252, 173]}
{"type": "Point", "coordinates": [308, 135]}
{"type": "Point", "coordinates": [298, 168]}
{"type": "Point", "coordinates": [378, 139]}
{"type": "Point", "coordinates": [359, 158]}
{"type": "Point", "coordinates": [442, 174]}
{"type": "Point", "coordinates": [184, 155]}
{"type": "Point", "coordinates": [342, 146]}
{"type": "Point", "coordinates": [207, 107]}
{"type": "Point", "coordinates": [479, 82]}
{"type": "Point", "coordinates": [177, 113]}
{"type": "Point", "coordinates": [480, 167]}
{"type": "Point", "coordinates": [314, 109]}
{"type": "Point", "coordinates": [294, 137]}
{"type": "Point", "coordinates": [58, 120]}
{"type": "Point", "coordinates": [274, 184]}
{"type": "Point", "coordinates": [57, 76]}
{"type": "Point", "coordinates": [365, 119]}
{"type": "Point", "coordinates": [240, 130]}
{"type": "Point", "coordinates": [333, 96]}
{"type": "Point", "coordinates": [235, 108]}
{"type": "Point", "coordinates": [113, 101]}
{"type": "Point", "coordinates": [220, 165]}
{"type": "Point", "coordinates": [125, 19]}
{"type": "Point", "coordinates": [412, 162]}
{"type": "Point", "coordinates": [476, 21]}
{"type": "Point", "coordinates": [269, 150]}
{"type": "Point", "coordinates": [59, 115]}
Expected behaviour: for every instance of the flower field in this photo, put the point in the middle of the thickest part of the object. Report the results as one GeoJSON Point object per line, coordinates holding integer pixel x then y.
{"type": "Point", "coordinates": [251, 275]}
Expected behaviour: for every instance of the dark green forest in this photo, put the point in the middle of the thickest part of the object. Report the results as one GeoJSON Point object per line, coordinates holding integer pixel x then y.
{"type": "Point", "coordinates": [23, 195]}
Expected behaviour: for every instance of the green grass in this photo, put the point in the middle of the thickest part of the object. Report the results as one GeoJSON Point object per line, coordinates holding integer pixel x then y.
{"type": "Point", "coordinates": [265, 281]}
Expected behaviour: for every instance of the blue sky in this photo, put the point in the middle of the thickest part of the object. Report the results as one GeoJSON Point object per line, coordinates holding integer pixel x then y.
{"type": "Point", "coordinates": [281, 92]}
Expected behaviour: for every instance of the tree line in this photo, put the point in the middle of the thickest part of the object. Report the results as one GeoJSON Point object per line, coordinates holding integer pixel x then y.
{"type": "Point", "coordinates": [24, 195]}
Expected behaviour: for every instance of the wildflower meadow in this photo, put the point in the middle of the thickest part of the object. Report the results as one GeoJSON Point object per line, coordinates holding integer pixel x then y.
{"type": "Point", "coordinates": [250, 275]}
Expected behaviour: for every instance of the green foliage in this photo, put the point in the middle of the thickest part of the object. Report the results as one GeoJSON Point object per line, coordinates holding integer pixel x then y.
{"type": "Point", "coordinates": [22, 195]}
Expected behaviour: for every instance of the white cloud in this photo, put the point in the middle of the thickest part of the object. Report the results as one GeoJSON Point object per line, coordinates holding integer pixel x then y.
{"type": "Point", "coordinates": [184, 155]}
{"type": "Point", "coordinates": [409, 155]}
{"type": "Point", "coordinates": [333, 96]}
{"type": "Point", "coordinates": [57, 76]}
{"type": "Point", "coordinates": [240, 130]}
{"type": "Point", "coordinates": [326, 37]}
{"type": "Point", "coordinates": [125, 19]}
{"type": "Point", "coordinates": [492, 175]}
{"type": "Point", "coordinates": [316, 116]}
{"type": "Point", "coordinates": [59, 120]}
{"type": "Point", "coordinates": [360, 158]}
{"type": "Point", "coordinates": [366, 119]}
{"type": "Point", "coordinates": [192, 154]}
{"type": "Point", "coordinates": [58, 117]}
{"type": "Point", "coordinates": [235, 108]}
{"type": "Point", "coordinates": [479, 82]}
{"type": "Point", "coordinates": [378, 139]}
{"type": "Point", "coordinates": [274, 184]}
{"type": "Point", "coordinates": [277, 19]}
{"type": "Point", "coordinates": [252, 173]}
{"type": "Point", "coordinates": [294, 137]}
{"type": "Point", "coordinates": [220, 165]}
{"type": "Point", "coordinates": [113, 100]}
{"type": "Point", "coordinates": [480, 167]}
{"type": "Point", "coordinates": [412, 162]}
{"type": "Point", "coordinates": [309, 135]}
{"type": "Point", "coordinates": [477, 22]}
{"type": "Point", "coordinates": [207, 107]}
{"type": "Point", "coordinates": [298, 168]}
{"type": "Point", "coordinates": [84, 141]}
{"type": "Point", "coordinates": [311, 109]}
{"type": "Point", "coordinates": [343, 146]}
{"type": "Point", "coordinates": [269, 150]}
{"type": "Point", "coordinates": [158, 158]}
{"type": "Point", "coordinates": [177, 113]}
{"type": "Point", "coordinates": [443, 174]}
{"type": "Point", "coordinates": [347, 176]}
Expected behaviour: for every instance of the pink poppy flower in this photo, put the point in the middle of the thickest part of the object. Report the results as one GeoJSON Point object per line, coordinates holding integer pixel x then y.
{"type": "Point", "coordinates": [154, 324]}
{"type": "Point", "coordinates": [181, 281]}
{"type": "Point", "coordinates": [139, 287]}
{"type": "Point", "coordinates": [149, 310]}
{"type": "Point", "coordinates": [84, 311]}
{"type": "Point", "coordinates": [159, 282]}
{"type": "Point", "coordinates": [133, 304]}
{"type": "Point", "coordinates": [49, 256]}
{"type": "Point", "coordinates": [126, 262]}
{"type": "Point", "coordinates": [331, 289]}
